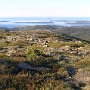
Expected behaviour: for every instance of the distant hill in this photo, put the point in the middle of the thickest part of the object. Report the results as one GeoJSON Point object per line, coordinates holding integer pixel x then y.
{"type": "Point", "coordinates": [82, 32]}
{"type": "Point", "coordinates": [78, 32]}
{"type": "Point", "coordinates": [40, 27]}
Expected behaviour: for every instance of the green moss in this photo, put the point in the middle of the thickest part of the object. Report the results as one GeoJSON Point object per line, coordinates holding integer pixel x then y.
{"type": "Point", "coordinates": [33, 54]}
{"type": "Point", "coordinates": [55, 45]}
{"type": "Point", "coordinates": [2, 55]}
{"type": "Point", "coordinates": [84, 63]}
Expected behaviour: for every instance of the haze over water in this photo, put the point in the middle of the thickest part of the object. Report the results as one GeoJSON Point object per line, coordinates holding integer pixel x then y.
{"type": "Point", "coordinates": [32, 21]}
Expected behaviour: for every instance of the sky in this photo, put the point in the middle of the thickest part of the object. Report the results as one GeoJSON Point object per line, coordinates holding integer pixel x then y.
{"type": "Point", "coordinates": [41, 8]}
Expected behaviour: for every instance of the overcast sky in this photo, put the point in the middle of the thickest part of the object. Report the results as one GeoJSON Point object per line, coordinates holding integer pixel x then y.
{"type": "Point", "coordinates": [64, 8]}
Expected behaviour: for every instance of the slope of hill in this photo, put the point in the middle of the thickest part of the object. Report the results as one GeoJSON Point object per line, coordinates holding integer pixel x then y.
{"type": "Point", "coordinates": [78, 32]}
{"type": "Point", "coordinates": [42, 59]}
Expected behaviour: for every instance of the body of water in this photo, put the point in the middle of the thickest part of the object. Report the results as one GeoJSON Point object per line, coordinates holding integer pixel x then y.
{"type": "Point", "coordinates": [32, 21]}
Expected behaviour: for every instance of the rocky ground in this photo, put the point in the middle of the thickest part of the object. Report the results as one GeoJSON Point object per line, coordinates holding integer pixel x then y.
{"type": "Point", "coordinates": [43, 60]}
